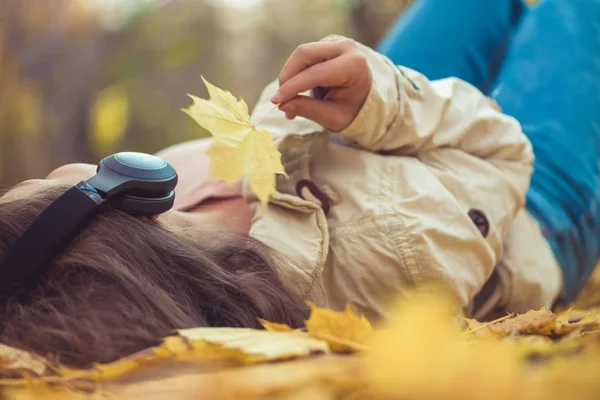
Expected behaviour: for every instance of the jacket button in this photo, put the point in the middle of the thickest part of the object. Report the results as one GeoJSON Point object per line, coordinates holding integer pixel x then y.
{"type": "Point", "coordinates": [480, 221]}
{"type": "Point", "coordinates": [307, 190]}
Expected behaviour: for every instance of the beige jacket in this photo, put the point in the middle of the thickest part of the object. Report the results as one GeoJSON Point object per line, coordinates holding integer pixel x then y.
{"type": "Point", "coordinates": [428, 182]}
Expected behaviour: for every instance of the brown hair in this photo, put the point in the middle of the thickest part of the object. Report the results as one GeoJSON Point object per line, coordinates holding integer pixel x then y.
{"type": "Point", "coordinates": [126, 282]}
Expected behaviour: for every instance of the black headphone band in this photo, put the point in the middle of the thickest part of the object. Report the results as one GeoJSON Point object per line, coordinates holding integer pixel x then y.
{"type": "Point", "coordinates": [136, 183]}
{"type": "Point", "coordinates": [50, 232]}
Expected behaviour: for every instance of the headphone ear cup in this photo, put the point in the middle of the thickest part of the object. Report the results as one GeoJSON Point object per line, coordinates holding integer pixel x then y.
{"type": "Point", "coordinates": [144, 206]}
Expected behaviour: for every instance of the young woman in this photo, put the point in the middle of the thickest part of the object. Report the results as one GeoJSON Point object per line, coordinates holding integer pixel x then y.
{"type": "Point", "coordinates": [394, 180]}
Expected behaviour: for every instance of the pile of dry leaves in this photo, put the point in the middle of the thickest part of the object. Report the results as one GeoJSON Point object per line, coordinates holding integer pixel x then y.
{"type": "Point", "coordinates": [421, 353]}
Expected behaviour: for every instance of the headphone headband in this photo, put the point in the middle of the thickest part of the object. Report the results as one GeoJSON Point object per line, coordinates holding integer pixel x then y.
{"type": "Point", "coordinates": [137, 183]}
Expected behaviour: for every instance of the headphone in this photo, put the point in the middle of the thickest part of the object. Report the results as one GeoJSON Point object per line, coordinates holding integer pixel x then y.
{"type": "Point", "coordinates": [136, 183]}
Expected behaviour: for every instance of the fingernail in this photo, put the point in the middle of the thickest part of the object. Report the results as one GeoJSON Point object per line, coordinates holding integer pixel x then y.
{"type": "Point", "coordinates": [277, 98]}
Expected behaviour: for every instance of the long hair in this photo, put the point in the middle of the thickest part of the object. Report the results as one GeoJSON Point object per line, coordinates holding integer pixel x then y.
{"type": "Point", "coordinates": [125, 282]}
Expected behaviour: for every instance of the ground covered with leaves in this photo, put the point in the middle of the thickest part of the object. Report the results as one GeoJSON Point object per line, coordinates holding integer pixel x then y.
{"type": "Point", "coordinates": [420, 353]}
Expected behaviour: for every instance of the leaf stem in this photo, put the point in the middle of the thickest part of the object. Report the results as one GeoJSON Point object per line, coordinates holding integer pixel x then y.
{"type": "Point", "coordinates": [487, 324]}
{"type": "Point", "coordinates": [349, 343]}
{"type": "Point", "coordinates": [265, 114]}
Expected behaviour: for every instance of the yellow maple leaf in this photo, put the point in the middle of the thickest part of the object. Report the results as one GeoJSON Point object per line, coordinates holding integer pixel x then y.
{"type": "Point", "coordinates": [482, 329]}
{"type": "Point", "coordinates": [574, 322]}
{"type": "Point", "coordinates": [343, 331]}
{"type": "Point", "coordinates": [239, 149]}
{"type": "Point", "coordinates": [274, 327]}
{"type": "Point", "coordinates": [536, 322]}
{"type": "Point", "coordinates": [258, 345]}
{"type": "Point", "coordinates": [172, 350]}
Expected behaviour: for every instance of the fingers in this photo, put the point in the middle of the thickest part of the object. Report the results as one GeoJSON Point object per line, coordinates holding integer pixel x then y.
{"type": "Point", "coordinates": [334, 38]}
{"type": "Point", "coordinates": [307, 55]}
{"type": "Point", "coordinates": [332, 115]}
{"type": "Point", "coordinates": [339, 72]}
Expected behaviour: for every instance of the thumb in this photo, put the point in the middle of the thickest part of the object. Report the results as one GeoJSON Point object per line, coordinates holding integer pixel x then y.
{"type": "Point", "coordinates": [334, 116]}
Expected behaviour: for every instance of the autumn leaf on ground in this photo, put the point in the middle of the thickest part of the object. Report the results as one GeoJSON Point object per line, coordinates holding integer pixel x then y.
{"type": "Point", "coordinates": [422, 355]}
{"type": "Point", "coordinates": [258, 345]}
{"type": "Point", "coordinates": [537, 322]}
{"type": "Point", "coordinates": [173, 350]}
{"type": "Point", "coordinates": [482, 329]}
{"type": "Point", "coordinates": [239, 148]}
{"type": "Point", "coordinates": [111, 370]}
{"type": "Point", "coordinates": [343, 331]}
{"type": "Point", "coordinates": [14, 362]}
{"type": "Point", "coordinates": [577, 322]}
{"type": "Point", "coordinates": [41, 390]}
{"type": "Point", "coordinates": [274, 327]}
{"type": "Point", "coordinates": [533, 322]}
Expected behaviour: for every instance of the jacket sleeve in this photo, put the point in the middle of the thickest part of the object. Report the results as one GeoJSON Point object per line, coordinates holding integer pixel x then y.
{"type": "Point", "coordinates": [480, 158]}
{"type": "Point", "coordinates": [406, 114]}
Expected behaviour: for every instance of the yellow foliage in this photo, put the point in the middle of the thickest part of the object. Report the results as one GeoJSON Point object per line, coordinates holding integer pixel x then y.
{"type": "Point", "coordinates": [421, 356]}
{"type": "Point", "coordinates": [274, 327]}
{"type": "Point", "coordinates": [239, 148]}
{"type": "Point", "coordinates": [258, 345]}
{"type": "Point", "coordinates": [538, 322]}
{"type": "Point", "coordinates": [29, 104]}
{"type": "Point", "coordinates": [422, 353]}
{"type": "Point", "coordinates": [14, 361]}
{"type": "Point", "coordinates": [109, 120]}
{"type": "Point", "coordinates": [343, 331]}
{"type": "Point", "coordinates": [44, 391]}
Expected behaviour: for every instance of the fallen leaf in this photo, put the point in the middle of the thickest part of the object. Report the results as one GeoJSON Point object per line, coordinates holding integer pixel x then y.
{"type": "Point", "coordinates": [318, 375]}
{"type": "Point", "coordinates": [41, 390]}
{"type": "Point", "coordinates": [183, 349]}
{"type": "Point", "coordinates": [258, 345]}
{"type": "Point", "coordinates": [536, 322]}
{"type": "Point", "coordinates": [18, 363]}
{"type": "Point", "coordinates": [239, 148]}
{"type": "Point", "coordinates": [577, 322]}
{"type": "Point", "coordinates": [343, 331]}
{"type": "Point", "coordinates": [423, 355]}
{"type": "Point", "coordinates": [482, 329]}
{"type": "Point", "coordinates": [274, 327]}
{"type": "Point", "coordinates": [173, 349]}
{"type": "Point", "coordinates": [112, 370]}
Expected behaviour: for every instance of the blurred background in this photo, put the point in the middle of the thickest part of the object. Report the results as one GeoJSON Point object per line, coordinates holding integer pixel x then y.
{"type": "Point", "coordinates": [80, 79]}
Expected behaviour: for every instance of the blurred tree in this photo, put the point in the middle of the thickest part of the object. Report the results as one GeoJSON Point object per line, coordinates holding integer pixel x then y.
{"type": "Point", "coordinates": [82, 78]}
{"type": "Point", "coordinates": [109, 121]}
{"type": "Point", "coordinates": [158, 57]}
{"type": "Point", "coordinates": [50, 53]}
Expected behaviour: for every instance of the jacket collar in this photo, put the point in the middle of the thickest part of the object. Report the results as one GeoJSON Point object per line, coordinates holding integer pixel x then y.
{"type": "Point", "coordinates": [297, 229]}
